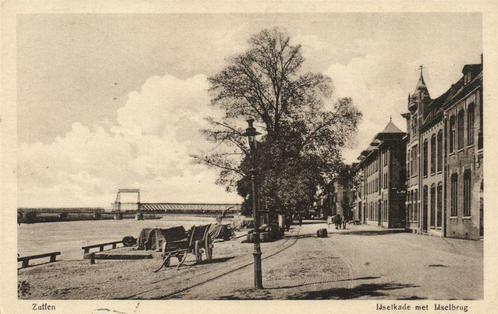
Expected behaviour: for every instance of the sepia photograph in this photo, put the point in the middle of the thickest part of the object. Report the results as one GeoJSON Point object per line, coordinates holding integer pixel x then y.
{"type": "Point", "coordinates": [250, 156]}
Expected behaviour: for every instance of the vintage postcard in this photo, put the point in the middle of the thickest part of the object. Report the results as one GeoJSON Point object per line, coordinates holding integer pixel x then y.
{"type": "Point", "coordinates": [312, 153]}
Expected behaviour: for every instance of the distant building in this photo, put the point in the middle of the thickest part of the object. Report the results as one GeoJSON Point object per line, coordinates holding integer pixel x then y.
{"type": "Point", "coordinates": [339, 196]}
{"type": "Point", "coordinates": [342, 198]}
{"type": "Point", "coordinates": [357, 189]}
{"type": "Point", "coordinates": [382, 199]}
{"type": "Point", "coordinates": [444, 158]}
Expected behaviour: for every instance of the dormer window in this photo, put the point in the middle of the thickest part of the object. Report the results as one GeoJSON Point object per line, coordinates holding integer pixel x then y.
{"type": "Point", "coordinates": [467, 77]}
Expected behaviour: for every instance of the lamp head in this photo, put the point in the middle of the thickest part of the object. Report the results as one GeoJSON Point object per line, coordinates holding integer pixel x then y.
{"type": "Point", "coordinates": [251, 132]}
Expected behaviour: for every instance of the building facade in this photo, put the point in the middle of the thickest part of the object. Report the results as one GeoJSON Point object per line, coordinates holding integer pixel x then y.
{"type": "Point", "coordinates": [463, 116]}
{"type": "Point", "coordinates": [425, 197]}
{"type": "Point", "coordinates": [444, 182]}
{"type": "Point", "coordinates": [382, 200]}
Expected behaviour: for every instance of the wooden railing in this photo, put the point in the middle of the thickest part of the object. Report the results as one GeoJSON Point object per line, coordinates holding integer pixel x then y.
{"type": "Point", "coordinates": [25, 259]}
{"type": "Point", "coordinates": [86, 249]}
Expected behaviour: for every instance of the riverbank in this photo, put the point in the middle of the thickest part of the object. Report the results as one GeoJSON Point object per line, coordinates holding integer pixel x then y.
{"type": "Point", "coordinates": [363, 262]}
{"type": "Point", "coordinates": [68, 237]}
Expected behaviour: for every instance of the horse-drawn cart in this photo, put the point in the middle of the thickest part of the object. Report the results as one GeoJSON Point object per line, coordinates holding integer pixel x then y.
{"type": "Point", "coordinates": [196, 241]}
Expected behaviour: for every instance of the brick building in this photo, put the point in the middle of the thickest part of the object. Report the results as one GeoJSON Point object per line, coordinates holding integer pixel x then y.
{"type": "Point", "coordinates": [464, 181]}
{"type": "Point", "coordinates": [444, 179]}
{"type": "Point", "coordinates": [382, 164]}
{"type": "Point", "coordinates": [424, 161]}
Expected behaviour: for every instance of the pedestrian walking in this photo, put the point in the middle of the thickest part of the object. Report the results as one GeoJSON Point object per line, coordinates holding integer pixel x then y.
{"type": "Point", "coordinates": [336, 221]}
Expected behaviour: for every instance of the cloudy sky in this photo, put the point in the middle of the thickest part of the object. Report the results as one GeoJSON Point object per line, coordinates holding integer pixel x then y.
{"type": "Point", "coordinates": [110, 101]}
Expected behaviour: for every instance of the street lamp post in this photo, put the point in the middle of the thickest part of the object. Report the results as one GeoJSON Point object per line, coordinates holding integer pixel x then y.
{"type": "Point", "coordinates": [251, 136]}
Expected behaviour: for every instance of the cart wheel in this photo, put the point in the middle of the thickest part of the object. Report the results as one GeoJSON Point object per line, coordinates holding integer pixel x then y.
{"type": "Point", "coordinates": [197, 252]}
{"type": "Point", "coordinates": [167, 261]}
{"type": "Point", "coordinates": [208, 245]}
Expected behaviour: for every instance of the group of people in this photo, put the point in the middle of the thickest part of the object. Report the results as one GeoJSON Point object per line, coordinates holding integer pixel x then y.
{"type": "Point", "coordinates": [338, 221]}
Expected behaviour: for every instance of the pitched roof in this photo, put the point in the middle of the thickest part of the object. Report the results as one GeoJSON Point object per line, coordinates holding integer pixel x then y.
{"type": "Point", "coordinates": [434, 110]}
{"type": "Point", "coordinates": [421, 82]}
{"type": "Point", "coordinates": [390, 132]}
{"type": "Point", "coordinates": [420, 86]}
{"type": "Point", "coordinates": [391, 128]}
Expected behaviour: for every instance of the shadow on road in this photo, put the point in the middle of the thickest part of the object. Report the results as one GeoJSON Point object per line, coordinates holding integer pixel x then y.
{"type": "Point", "coordinates": [364, 290]}
{"type": "Point", "coordinates": [413, 297]}
{"type": "Point", "coordinates": [300, 236]}
{"type": "Point", "coordinates": [216, 260]}
{"type": "Point", "coordinates": [322, 282]}
{"type": "Point", "coordinates": [369, 232]}
{"type": "Point", "coordinates": [312, 222]}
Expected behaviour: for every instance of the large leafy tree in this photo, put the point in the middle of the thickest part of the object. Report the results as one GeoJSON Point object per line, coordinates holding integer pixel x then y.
{"type": "Point", "coordinates": [303, 133]}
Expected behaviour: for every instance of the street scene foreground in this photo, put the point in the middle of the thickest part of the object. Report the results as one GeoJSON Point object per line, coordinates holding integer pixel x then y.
{"type": "Point", "coordinates": [360, 262]}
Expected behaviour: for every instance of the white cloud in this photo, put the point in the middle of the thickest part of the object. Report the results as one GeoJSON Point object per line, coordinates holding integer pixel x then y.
{"type": "Point", "coordinates": [147, 148]}
{"type": "Point", "coordinates": [377, 102]}
{"type": "Point", "coordinates": [312, 44]}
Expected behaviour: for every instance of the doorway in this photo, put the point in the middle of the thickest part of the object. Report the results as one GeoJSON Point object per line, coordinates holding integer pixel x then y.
{"type": "Point", "coordinates": [379, 212]}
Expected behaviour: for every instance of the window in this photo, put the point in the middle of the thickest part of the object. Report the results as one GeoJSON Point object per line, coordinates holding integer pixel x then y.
{"type": "Point", "coordinates": [470, 124]}
{"type": "Point", "coordinates": [467, 192]}
{"type": "Point", "coordinates": [454, 195]}
{"type": "Point", "coordinates": [440, 151]}
{"type": "Point", "coordinates": [439, 217]}
{"type": "Point", "coordinates": [415, 160]}
{"type": "Point", "coordinates": [452, 134]}
{"type": "Point", "coordinates": [433, 154]}
{"type": "Point", "coordinates": [433, 206]}
{"type": "Point", "coordinates": [385, 180]}
{"type": "Point", "coordinates": [385, 158]}
{"type": "Point", "coordinates": [426, 161]}
{"type": "Point", "coordinates": [409, 164]}
{"type": "Point", "coordinates": [460, 123]}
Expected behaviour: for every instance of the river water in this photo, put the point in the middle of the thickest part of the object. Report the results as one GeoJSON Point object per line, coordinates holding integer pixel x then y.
{"type": "Point", "coordinates": [68, 237]}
